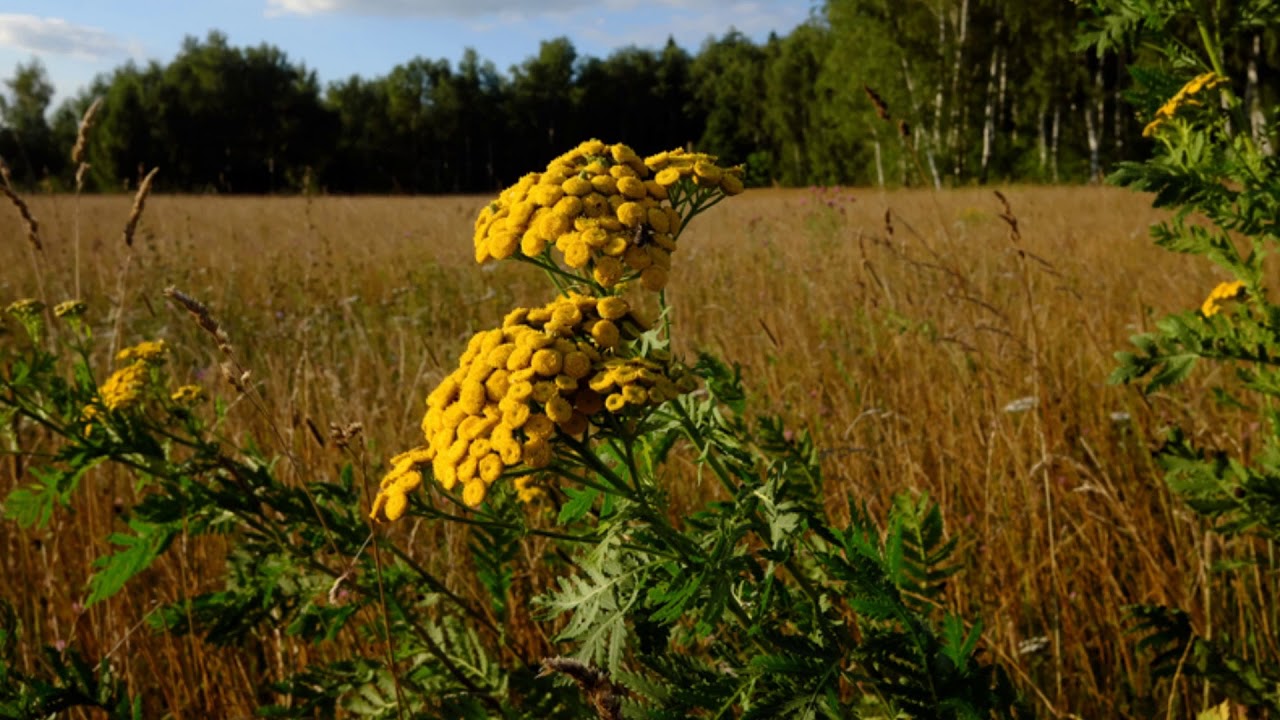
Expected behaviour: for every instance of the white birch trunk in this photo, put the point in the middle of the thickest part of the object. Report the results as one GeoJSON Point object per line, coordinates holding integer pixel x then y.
{"type": "Point", "coordinates": [1253, 101]}
{"type": "Point", "coordinates": [1053, 141]}
{"type": "Point", "coordinates": [989, 112]}
{"type": "Point", "coordinates": [954, 134]}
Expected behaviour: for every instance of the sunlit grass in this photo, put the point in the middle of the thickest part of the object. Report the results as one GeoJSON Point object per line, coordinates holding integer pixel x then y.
{"type": "Point", "coordinates": [928, 349]}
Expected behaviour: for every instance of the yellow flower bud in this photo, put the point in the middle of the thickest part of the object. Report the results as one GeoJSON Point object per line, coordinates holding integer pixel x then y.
{"type": "Point", "coordinates": [473, 493]}
{"type": "Point", "coordinates": [577, 186]}
{"type": "Point", "coordinates": [606, 334]}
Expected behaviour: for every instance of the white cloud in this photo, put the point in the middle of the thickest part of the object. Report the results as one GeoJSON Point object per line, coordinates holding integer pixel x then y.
{"type": "Point", "coordinates": [465, 8]}
{"type": "Point", "coordinates": [55, 36]}
{"type": "Point", "coordinates": [696, 21]}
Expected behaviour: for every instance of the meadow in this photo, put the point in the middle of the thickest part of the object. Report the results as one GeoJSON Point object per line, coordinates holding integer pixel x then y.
{"type": "Point", "coordinates": [934, 342]}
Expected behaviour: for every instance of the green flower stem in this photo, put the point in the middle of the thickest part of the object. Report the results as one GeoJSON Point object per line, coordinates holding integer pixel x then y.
{"type": "Point", "coordinates": [439, 587]}
{"type": "Point", "coordinates": [435, 514]}
{"type": "Point", "coordinates": [682, 545]}
{"type": "Point", "coordinates": [759, 526]}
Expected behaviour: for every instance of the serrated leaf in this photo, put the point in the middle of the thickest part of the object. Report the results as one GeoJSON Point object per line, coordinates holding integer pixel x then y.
{"type": "Point", "coordinates": [580, 503]}
{"type": "Point", "coordinates": [140, 550]}
{"type": "Point", "coordinates": [1174, 369]}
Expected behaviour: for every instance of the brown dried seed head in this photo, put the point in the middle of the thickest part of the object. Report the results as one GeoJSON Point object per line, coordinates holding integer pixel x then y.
{"type": "Point", "coordinates": [882, 108]}
{"type": "Point", "coordinates": [139, 202]}
{"type": "Point", "coordinates": [33, 227]}
{"type": "Point", "coordinates": [82, 135]}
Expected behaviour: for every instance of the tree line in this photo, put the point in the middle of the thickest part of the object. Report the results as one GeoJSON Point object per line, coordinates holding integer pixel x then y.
{"type": "Point", "coordinates": [961, 91]}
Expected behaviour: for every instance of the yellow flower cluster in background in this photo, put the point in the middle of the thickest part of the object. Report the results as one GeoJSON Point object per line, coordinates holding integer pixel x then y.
{"type": "Point", "coordinates": [674, 165]}
{"type": "Point", "coordinates": [123, 389]}
{"type": "Point", "coordinates": [25, 308]}
{"type": "Point", "coordinates": [1223, 292]}
{"type": "Point", "coordinates": [547, 372]}
{"type": "Point", "coordinates": [598, 207]}
{"type": "Point", "coordinates": [70, 309]}
{"type": "Point", "coordinates": [1184, 98]}
{"type": "Point", "coordinates": [188, 396]}
{"type": "Point", "coordinates": [148, 352]}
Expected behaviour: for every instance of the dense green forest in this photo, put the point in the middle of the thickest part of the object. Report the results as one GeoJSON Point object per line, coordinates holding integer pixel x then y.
{"type": "Point", "coordinates": [980, 89]}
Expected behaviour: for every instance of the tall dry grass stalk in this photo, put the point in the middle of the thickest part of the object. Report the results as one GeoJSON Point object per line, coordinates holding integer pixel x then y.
{"type": "Point", "coordinates": [82, 167]}
{"type": "Point", "coordinates": [34, 244]}
{"type": "Point", "coordinates": [130, 227]}
{"type": "Point", "coordinates": [139, 203]}
{"type": "Point", "coordinates": [905, 337]}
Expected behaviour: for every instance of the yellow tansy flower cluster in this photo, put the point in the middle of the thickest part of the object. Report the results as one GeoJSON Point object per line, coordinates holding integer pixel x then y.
{"type": "Point", "coordinates": [25, 309]}
{"type": "Point", "coordinates": [150, 352]}
{"type": "Point", "coordinates": [1184, 98]}
{"type": "Point", "coordinates": [674, 165]}
{"type": "Point", "coordinates": [597, 206]}
{"type": "Point", "coordinates": [188, 396]}
{"type": "Point", "coordinates": [124, 387]}
{"type": "Point", "coordinates": [546, 372]}
{"type": "Point", "coordinates": [1223, 292]}
{"type": "Point", "coordinates": [70, 309]}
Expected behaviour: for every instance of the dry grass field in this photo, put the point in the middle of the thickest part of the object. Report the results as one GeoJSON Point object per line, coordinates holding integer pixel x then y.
{"type": "Point", "coordinates": [931, 351]}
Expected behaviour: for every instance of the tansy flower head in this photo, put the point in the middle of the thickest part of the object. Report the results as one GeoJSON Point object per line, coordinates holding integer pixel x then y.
{"type": "Point", "coordinates": [1224, 292]}
{"type": "Point", "coordinates": [25, 308]}
{"type": "Point", "coordinates": [673, 166]}
{"type": "Point", "coordinates": [188, 396]}
{"type": "Point", "coordinates": [28, 311]}
{"type": "Point", "coordinates": [1185, 97]}
{"type": "Point", "coordinates": [123, 389]}
{"type": "Point", "coordinates": [70, 309]}
{"type": "Point", "coordinates": [593, 204]}
{"type": "Point", "coordinates": [519, 389]}
{"type": "Point", "coordinates": [150, 352]}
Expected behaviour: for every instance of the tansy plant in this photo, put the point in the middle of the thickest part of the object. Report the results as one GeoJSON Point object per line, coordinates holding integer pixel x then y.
{"type": "Point", "coordinates": [756, 604]}
{"type": "Point", "coordinates": [554, 443]}
{"type": "Point", "coordinates": [1212, 163]}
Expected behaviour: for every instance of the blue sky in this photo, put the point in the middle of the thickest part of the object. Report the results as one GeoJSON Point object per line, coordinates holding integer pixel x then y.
{"type": "Point", "coordinates": [77, 39]}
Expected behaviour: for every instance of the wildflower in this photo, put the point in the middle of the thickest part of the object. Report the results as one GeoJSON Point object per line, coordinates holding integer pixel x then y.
{"type": "Point", "coordinates": [70, 309]}
{"type": "Point", "coordinates": [188, 395]}
{"type": "Point", "coordinates": [123, 389]}
{"type": "Point", "coordinates": [1185, 97]}
{"type": "Point", "coordinates": [150, 352]}
{"type": "Point", "coordinates": [593, 207]}
{"type": "Point", "coordinates": [25, 308]}
{"type": "Point", "coordinates": [28, 311]}
{"type": "Point", "coordinates": [528, 490]}
{"type": "Point", "coordinates": [676, 165]}
{"type": "Point", "coordinates": [1223, 292]}
{"type": "Point", "coordinates": [520, 388]}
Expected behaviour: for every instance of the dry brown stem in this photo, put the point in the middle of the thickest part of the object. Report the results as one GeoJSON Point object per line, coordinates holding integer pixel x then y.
{"type": "Point", "coordinates": [603, 696]}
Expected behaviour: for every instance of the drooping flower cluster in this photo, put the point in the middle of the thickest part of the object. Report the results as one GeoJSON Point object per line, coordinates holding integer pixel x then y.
{"type": "Point", "coordinates": [546, 373]}
{"type": "Point", "coordinates": [1224, 292]}
{"type": "Point", "coordinates": [1183, 98]}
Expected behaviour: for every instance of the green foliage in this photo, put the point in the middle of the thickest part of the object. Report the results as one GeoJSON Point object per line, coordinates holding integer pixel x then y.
{"type": "Point", "coordinates": [1212, 162]}
{"type": "Point", "coordinates": [66, 681]}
